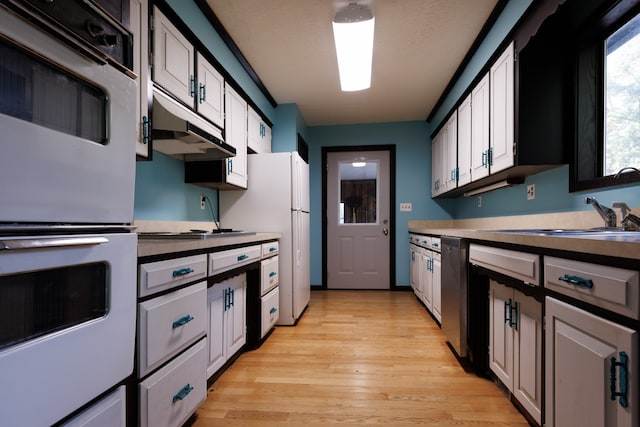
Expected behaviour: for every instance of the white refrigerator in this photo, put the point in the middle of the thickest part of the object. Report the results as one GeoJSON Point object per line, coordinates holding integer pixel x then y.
{"type": "Point", "coordinates": [277, 200]}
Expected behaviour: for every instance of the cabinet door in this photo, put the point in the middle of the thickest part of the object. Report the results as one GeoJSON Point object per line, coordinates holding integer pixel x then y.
{"type": "Point", "coordinates": [450, 155]}
{"type": "Point", "coordinates": [236, 135]}
{"type": "Point", "coordinates": [438, 185]}
{"type": "Point", "coordinates": [480, 129]}
{"type": "Point", "coordinates": [426, 278]}
{"type": "Point", "coordinates": [500, 334]}
{"type": "Point", "coordinates": [140, 29]}
{"type": "Point", "coordinates": [414, 272]}
{"type": "Point", "coordinates": [436, 286]}
{"type": "Point", "coordinates": [501, 115]}
{"type": "Point", "coordinates": [254, 130]}
{"type": "Point", "coordinates": [210, 92]}
{"type": "Point", "coordinates": [464, 142]}
{"type": "Point", "coordinates": [173, 60]}
{"type": "Point", "coordinates": [527, 356]}
{"type": "Point", "coordinates": [236, 325]}
{"type": "Point", "coordinates": [216, 302]}
{"type": "Point", "coordinates": [580, 349]}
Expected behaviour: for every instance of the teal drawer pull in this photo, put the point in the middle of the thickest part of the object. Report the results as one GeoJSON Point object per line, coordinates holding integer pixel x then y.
{"type": "Point", "coordinates": [182, 321]}
{"type": "Point", "coordinates": [182, 272]}
{"type": "Point", "coordinates": [273, 310]}
{"type": "Point", "coordinates": [182, 393]}
{"type": "Point", "coordinates": [273, 249]}
{"type": "Point", "coordinates": [578, 281]}
{"type": "Point", "coordinates": [622, 394]}
{"type": "Point", "coordinates": [242, 257]}
{"type": "Point", "coordinates": [273, 273]}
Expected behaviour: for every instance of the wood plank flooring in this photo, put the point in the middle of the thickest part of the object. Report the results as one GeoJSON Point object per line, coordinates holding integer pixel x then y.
{"type": "Point", "coordinates": [355, 358]}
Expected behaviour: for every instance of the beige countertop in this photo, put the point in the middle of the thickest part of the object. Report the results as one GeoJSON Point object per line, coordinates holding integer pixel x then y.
{"type": "Point", "coordinates": [627, 246]}
{"type": "Point", "coordinates": [149, 247]}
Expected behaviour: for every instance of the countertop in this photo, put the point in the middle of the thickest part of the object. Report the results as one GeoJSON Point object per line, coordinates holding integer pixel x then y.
{"type": "Point", "coordinates": [160, 246]}
{"type": "Point", "coordinates": [615, 246]}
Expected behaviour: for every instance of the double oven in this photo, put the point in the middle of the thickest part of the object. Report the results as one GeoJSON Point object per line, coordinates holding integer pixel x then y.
{"type": "Point", "coordinates": [67, 178]}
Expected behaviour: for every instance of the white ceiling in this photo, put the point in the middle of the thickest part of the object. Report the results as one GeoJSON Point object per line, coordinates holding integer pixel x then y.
{"type": "Point", "coordinates": [418, 45]}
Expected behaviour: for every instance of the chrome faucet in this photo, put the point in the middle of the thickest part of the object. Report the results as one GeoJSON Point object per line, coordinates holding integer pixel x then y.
{"type": "Point", "coordinates": [607, 214]}
{"type": "Point", "coordinates": [629, 220]}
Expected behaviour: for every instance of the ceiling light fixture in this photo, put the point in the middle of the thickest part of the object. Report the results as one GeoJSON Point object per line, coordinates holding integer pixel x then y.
{"type": "Point", "coordinates": [359, 164]}
{"type": "Point", "coordinates": [353, 34]}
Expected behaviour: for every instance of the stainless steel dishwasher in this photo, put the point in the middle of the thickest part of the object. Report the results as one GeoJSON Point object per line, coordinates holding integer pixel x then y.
{"type": "Point", "coordinates": [455, 251]}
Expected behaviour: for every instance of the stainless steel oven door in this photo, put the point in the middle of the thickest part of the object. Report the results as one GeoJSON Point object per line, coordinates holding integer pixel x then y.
{"type": "Point", "coordinates": [68, 127]}
{"type": "Point", "coordinates": [67, 322]}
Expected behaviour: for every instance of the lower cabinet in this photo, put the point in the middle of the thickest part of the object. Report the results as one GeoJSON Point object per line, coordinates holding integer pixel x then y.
{"type": "Point", "coordinates": [591, 369]}
{"type": "Point", "coordinates": [108, 411]}
{"type": "Point", "coordinates": [515, 345]}
{"type": "Point", "coordinates": [226, 327]}
{"type": "Point", "coordinates": [430, 279]}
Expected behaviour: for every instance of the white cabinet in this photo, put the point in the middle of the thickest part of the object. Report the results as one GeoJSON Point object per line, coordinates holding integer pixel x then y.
{"type": "Point", "coordinates": [173, 59]}
{"type": "Point", "coordinates": [436, 286]}
{"type": "Point", "coordinates": [259, 133]}
{"type": "Point", "coordinates": [415, 259]}
{"type": "Point", "coordinates": [479, 148]}
{"type": "Point", "coordinates": [444, 151]}
{"type": "Point", "coordinates": [426, 279]}
{"type": "Point", "coordinates": [109, 411]}
{"type": "Point", "coordinates": [588, 361]}
{"type": "Point", "coordinates": [501, 115]}
{"type": "Point", "coordinates": [438, 184]}
{"type": "Point", "coordinates": [210, 92]}
{"type": "Point", "coordinates": [515, 345]}
{"type": "Point", "coordinates": [227, 321]}
{"type": "Point", "coordinates": [464, 141]}
{"type": "Point", "coordinates": [139, 19]}
{"type": "Point", "coordinates": [236, 135]}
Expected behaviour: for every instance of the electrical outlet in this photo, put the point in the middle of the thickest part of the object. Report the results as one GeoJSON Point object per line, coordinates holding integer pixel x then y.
{"type": "Point", "coordinates": [479, 201]}
{"type": "Point", "coordinates": [406, 207]}
{"type": "Point", "coordinates": [531, 191]}
{"type": "Point", "coordinates": [202, 201]}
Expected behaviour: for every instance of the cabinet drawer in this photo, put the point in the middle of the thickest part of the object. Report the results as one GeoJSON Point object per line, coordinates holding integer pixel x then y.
{"type": "Point", "coordinates": [519, 265]}
{"type": "Point", "coordinates": [159, 276]}
{"type": "Point", "coordinates": [270, 249]}
{"type": "Point", "coordinates": [270, 311]}
{"type": "Point", "coordinates": [220, 262]}
{"type": "Point", "coordinates": [611, 288]}
{"type": "Point", "coordinates": [270, 274]}
{"type": "Point", "coordinates": [171, 395]}
{"type": "Point", "coordinates": [435, 244]}
{"type": "Point", "coordinates": [169, 323]}
{"type": "Point", "coordinates": [108, 411]}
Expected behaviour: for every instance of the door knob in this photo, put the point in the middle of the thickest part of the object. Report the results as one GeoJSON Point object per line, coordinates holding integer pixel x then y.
{"type": "Point", "coordinates": [385, 231]}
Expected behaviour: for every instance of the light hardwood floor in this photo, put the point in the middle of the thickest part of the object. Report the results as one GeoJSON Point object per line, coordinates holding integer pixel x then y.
{"type": "Point", "coordinates": [355, 358]}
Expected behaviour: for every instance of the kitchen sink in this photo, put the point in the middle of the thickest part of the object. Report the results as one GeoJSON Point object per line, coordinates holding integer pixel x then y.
{"type": "Point", "coordinates": [194, 234]}
{"type": "Point", "coordinates": [601, 232]}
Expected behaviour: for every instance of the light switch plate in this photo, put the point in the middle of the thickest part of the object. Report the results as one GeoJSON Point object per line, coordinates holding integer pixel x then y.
{"type": "Point", "coordinates": [406, 207]}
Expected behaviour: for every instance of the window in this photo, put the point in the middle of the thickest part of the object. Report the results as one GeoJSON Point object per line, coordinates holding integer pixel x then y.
{"type": "Point", "coordinates": [607, 96]}
{"type": "Point", "coordinates": [358, 193]}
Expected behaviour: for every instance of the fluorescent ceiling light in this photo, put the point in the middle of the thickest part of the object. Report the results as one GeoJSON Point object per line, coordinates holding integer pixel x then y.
{"type": "Point", "coordinates": [359, 164]}
{"type": "Point", "coordinates": [353, 34]}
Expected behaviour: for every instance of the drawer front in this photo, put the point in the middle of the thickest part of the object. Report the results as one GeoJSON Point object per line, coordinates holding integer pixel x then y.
{"type": "Point", "coordinates": [159, 276]}
{"type": "Point", "coordinates": [171, 395]}
{"type": "Point", "coordinates": [435, 244]}
{"type": "Point", "coordinates": [519, 265]}
{"type": "Point", "coordinates": [424, 241]}
{"type": "Point", "coordinates": [270, 311]}
{"type": "Point", "coordinates": [270, 274]}
{"type": "Point", "coordinates": [270, 249]}
{"type": "Point", "coordinates": [108, 411]}
{"type": "Point", "coordinates": [611, 288]}
{"type": "Point", "coordinates": [220, 262]}
{"type": "Point", "coordinates": [169, 323]}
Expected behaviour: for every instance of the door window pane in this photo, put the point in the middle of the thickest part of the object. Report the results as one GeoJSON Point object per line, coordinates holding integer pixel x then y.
{"type": "Point", "coordinates": [622, 108]}
{"type": "Point", "coordinates": [358, 193]}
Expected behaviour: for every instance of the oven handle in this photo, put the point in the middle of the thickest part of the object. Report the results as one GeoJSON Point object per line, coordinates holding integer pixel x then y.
{"type": "Point", "coordinates": [53, 242]}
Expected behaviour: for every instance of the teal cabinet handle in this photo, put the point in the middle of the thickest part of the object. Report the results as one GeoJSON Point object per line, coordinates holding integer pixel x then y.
{"type": "Point", "coordinates": [576, 280]}
{"type": "Point", "coordinates": [273, 310]}
{"type": "Point", "coordinates": [273, 273]}
{"type": "Point", "coordinates": [622, 394]}
{"type": "Point", "coordinates": [182, 272]}
{"type": "Point", "coordinates": [203, 93]}
{"type": "Point", "coordinates": [192, 86]}
{"type": "Point", "coordinates": [242, 257]}
{"type": "Point", "coordinates": [273, 249]}
{"type": "Point", "coordinates": [182, 321]}
{"type": "Point", "coordinates": [182, 393]}
{"type": "Point", "coordinates": [145, 129]}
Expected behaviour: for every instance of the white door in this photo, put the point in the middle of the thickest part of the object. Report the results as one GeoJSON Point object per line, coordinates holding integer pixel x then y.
{"type": "Point", "coordinates": [358, 214]}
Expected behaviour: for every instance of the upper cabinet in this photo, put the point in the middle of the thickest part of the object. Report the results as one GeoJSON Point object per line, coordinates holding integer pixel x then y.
{"type": "Point", "coordinates": [512, 119]}
{"type": "Point", "coordinates": [259, 133]}
{"type": "Point", "coordinates": [210, 92]}
{"type": "Point", "coordinates": [139, 16]}
{"type": "Point", "coordinates": [236, 128]}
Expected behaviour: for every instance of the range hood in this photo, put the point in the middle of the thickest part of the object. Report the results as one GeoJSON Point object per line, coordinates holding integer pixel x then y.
{"type": "Point", "coordinates": [177, 131]}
